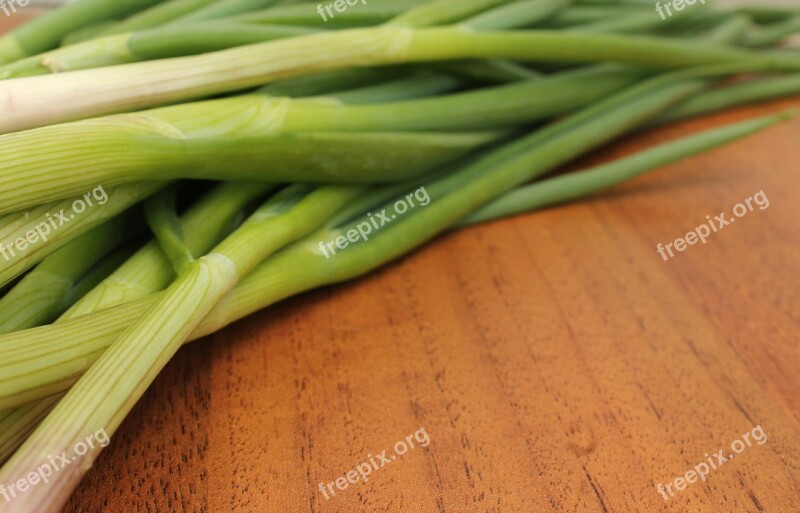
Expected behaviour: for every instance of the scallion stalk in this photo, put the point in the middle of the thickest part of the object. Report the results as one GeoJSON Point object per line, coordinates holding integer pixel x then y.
{"type": "Point", "coordinates": [122, 374]}
{"type": "Point", "coordinates": [726, 97]}
{"type": "Point", "coordinates": [572, 186]}
{"type": "Point", "coordinates": [36, 298]}
{"type": "Point", "coordinates": [145, 45]}
{"type": "Point", "coordinates": [153, 152]}
{"type": "Point", "coordinates": [159, 14]}
{"type": "Point", "coordinates": [203, 140]}
{"type": "Point", "coordinates": [45, 32]}
{"type": "Point", "coordinates": [257, 290]}
{"type": "Point", "coordinates": [477, 184]}
{"type": "Point", "coordinates": [518, 14]}
{"type": "Point", "coordinates": [97, 92]}
{"type": "Point", "coordinates": [148, 271]}
{"type": "Point", "coordinates": [224, 8]}
{"type": "Point", "coordinates": [21, 234]}
{"type": "Point", "coordinates": [442, 12]}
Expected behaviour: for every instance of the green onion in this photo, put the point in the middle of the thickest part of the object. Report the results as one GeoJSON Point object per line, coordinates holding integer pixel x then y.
{"type": "Point", "coordinates": [502, 170]}
{"type": "Point", "coordinates": [347, 125]}
{"type": "Point", "coordinates": [88, 32]}
{"type": "Point", "coordinates": [767, 14]}
{"type": "Point", "coordinates": [774, 33]}
{"type": "Point", "coordinates": [258, 291]}
{"type": "Point", "coordinates": [158, 43]}
{"type": "Point", "coordinates": [45, 32]}
{"type": "Point", "coordinates": [37, 297]}
{"type": "Point", "coordinates": [121, 375]}
{"type": "Point", "coordinates": [135, 154]}
{"type": "Point", "coordinates": [96, 275]}
{"type": "Point", "coordinates": [224, 8]}
{"type": "Point", "coordinates": [103, 91]}
{"type": "Point", "coordinates": [157, 15]}
{"type": "Point", "coordinates": [15, 426]}
{"type": "Point", "coordinates": [417, 84]}
{"type": "Point", "coordinates": [203, 140]}
{"type": "Point", "coordinates": [744, 93]}
{"type": "Point", "coordinates": [306, 14]}
{"type": "Point", "coordinates": [572, 186]}
{"type": "Point", "coordinates": [517, 14]}
{"type": "Point", "coordinates": [149, 270]}
{"type": "Point", "coordinates": [48, 227]}
{"type": "Point", "coordinates": [442, 12]}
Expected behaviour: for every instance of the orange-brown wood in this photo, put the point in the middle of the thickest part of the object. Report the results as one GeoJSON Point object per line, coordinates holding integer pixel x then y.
{"type": "Point", "coordinates": [556, 362]}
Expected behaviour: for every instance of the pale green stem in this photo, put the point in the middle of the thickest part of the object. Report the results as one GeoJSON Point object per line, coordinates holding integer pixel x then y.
{"type": "Point", "coordinates": [17, 425]}
{"type": "Point", "coordinates": [148, 271]}
{"type": "Point", "coordinates": [266, 286]}
{"type": "Point", "coordinates": [45, 32]}
{"type": "Point", "coordinates": [572, 186]}
{"type": "Point", "coordinates": [36, 298]}
{"type": "Point", "coordinates": [135, 86]}
{"type": "Point", "coordinates": [106, 393]}
{"type": "Point", "coordinates": [442, 12]}
{"type": "Point", "coordinates": [25, 375]}
{"type": "Point", "coordinates": [26, 238]}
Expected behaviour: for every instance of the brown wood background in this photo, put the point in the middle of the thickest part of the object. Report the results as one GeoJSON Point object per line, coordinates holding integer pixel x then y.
{"type": "Point", "coordinates": [554, 360]}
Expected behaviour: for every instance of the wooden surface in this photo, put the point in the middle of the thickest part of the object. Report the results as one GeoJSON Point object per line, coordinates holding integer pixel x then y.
{"type": "Point", "coordinates": [556, 362]}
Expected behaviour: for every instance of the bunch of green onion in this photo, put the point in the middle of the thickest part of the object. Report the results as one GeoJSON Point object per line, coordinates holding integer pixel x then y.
{"type": "Point", "coordinates": [233, 137]}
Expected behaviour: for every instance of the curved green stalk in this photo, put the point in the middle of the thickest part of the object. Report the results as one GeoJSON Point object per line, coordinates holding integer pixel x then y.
{"type": "Point", "coordinates": [517, 14]}
{"type": "Point", "coordinates": [443, 12]}
{"type": "Point", "coordinates": [149, 270]}
{"type": "Point", "coordinates": [225, 8]}
{"type": "Point", "coordinates": [157, 15]}
{"type": "Point", "coordinates": [768, 14]}
{"type": "Point", "coordinates": [45, 32]}
{"type": "Point", "coordinates": [95, 277]}
{"type": "Point", "coordinates": [317, 84]}
{"type": "Point", "coordinates": [134, 86]}
{"type": "Point", "coordinates": [417, 84]}
{"type": "Point", "coordinates": [29, 369]}
{"type": "Point", "coordinates": [129, 153]}
{"type": "Point", "coordinates": [490, 108]}
{"type": "Point", "coordinates": [217, 139]}
{"type": "Point", "coordinates": [305, 14]}
{"type": "Point", "coordinates": [266, 286]}
{"type": "Point", "coordinates": [583, 14]}
{"type": "Point", "coordinates": [17, 425]}
{"type": "Point", "coordinates": [36, 298]}
{"type": "Point", "coordinates": [572, 186]}
{"type": "Point", "coordinates": [772, 34]}
{"type": "Point", "coordinates": [744, 93]}
{"type": "Point", "coordinates": [162, 217]}
{"type": "Point", "coordinates": [26, 239]}
{"type": "Point", "coordinates": [730, 30]}
{"type": "Point", "coordinates": [109, 390]}
{"type": "Point", "coordinates": [145, 45]}
{"type": "Point", "coordinates": [87, 32]}
{"type": "Point", "coordinates": [493, 71]}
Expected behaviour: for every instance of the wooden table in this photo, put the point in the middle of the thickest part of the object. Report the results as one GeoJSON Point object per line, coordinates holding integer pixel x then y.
{"type": "Point", "coordinates": [555, 361]}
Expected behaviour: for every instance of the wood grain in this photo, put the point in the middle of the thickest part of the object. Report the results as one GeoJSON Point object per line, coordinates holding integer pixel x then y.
{"type": "Point", "coordinates": [555, 360]}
